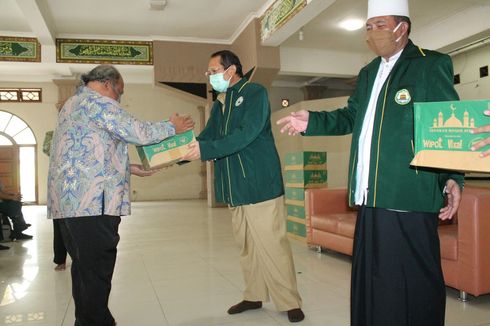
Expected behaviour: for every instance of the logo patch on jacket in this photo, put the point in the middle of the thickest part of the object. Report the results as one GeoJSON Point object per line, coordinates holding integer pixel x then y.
{"type": "Point", "coordinates": [239, 101]}
{"type": "Point", "coordinates": [403, 97]}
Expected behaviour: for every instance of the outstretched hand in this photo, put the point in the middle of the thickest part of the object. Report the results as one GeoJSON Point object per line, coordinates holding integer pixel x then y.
{"type": "Point", "coordinates": [182, 123]}
{"type": "Point", "coordinates": [484, 142]}
{"type": "Point", "coordinates": [139, 170]}
{"type": "Point", "coordinates": [294, 123]}
{"type": "Point", "coordinates": [453, 193]}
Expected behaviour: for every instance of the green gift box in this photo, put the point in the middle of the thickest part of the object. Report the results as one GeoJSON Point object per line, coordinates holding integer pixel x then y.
{"type": "Point", "coordinates": [305, 179]}
{"type": "Point", "coordinates": [296, 211]}
{"type": "Point", "coordinates": [166, 152]}
{"type": "Point", "coordinates": [295, 196]}
{"type": "Point", "coordinates": [305, 161]}
{"type": "Point", "coordinates": [296, 228]}
{"type": "Point", "coordinates": [443, 136]}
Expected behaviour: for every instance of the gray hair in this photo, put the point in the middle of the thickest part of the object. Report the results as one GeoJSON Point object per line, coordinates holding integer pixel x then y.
{"type": "Point", "coordinates": [102, 73]}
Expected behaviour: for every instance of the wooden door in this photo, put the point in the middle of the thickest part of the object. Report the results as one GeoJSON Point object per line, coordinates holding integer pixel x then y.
{"type": "Point", "coordinates": [9, 168]}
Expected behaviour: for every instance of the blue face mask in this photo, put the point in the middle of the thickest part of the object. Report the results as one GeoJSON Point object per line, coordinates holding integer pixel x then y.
{"type": "Point", "coordinates": [218, 82]}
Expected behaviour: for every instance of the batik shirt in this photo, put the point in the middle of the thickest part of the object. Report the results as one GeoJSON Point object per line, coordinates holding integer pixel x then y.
{"type": "Point", "coordinates": [89, 168]}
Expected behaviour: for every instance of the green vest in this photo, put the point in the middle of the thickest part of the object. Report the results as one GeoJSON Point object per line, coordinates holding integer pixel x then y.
{"type": "Point", "coordinates": [393, 183]}
{"type": "Point", "coordinates": [238, 138]}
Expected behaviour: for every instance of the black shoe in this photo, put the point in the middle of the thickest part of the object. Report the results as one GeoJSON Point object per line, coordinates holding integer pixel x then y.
{"type": "Point", "coordinates": [4, 247]}
{"type": "Point", "coordinates": [295, 315]}
{"type": "Point", "coordinates": [244, 306]}
{"type": "Point", "coordinates": [20, 236]}
{"type": "Point", "coordinates": [23, 228]}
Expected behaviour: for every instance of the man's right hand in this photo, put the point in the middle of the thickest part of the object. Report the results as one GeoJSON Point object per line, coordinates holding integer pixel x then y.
{"type": "Point", "coordinates": [294, 123]}
{"type": "Point", "coordinates": [484, 142]}
{"type": "Point", "coordinates": [181, 123]}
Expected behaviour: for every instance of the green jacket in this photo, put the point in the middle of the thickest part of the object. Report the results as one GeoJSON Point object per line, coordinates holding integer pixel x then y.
{"type": "Point", "coordinates": [239, 139]}
{"type": "Point", "coordinates": [393, 183]}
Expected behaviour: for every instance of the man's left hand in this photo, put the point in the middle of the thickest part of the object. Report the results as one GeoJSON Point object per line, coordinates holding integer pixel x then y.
{"type": "Point", "coordinates": [453, 193]}
{"type": "Point", "coordinates": [137, 169]}
{"type": "Point", "coordinates": [194, 152]}
{"type": "Point", "coordinates": [15, 196]}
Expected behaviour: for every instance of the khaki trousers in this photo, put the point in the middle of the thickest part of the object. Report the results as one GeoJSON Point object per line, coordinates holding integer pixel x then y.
{"type": "Point", "coordinates": [266, 257]}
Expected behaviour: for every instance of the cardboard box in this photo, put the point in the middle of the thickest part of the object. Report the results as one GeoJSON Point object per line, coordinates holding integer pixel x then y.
{"type": "Point", "coordinates": [305, 161]}
{"type": "Point", "coordinates": [295, 196]}
{"type": "Point", "coordinates": [166, 152]}
{"type": "Point", "coordinates": [298, 229]}
{"type": "Point", "coordinates": [294, 211]}
{"type": "Point", "coordinates": [306, 179]}
{"type": "Point", "coordinates": [442, 135]}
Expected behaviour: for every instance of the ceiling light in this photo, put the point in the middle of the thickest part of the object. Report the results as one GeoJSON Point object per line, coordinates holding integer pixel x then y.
{"type": "Point", "coordinates": [352, 24]}
{"type": "Point", "coordinates": [157, 4]}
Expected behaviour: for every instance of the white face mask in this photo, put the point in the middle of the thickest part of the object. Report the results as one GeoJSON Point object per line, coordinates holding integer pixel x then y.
{"type": "Point", "coordinates": [218, 81]}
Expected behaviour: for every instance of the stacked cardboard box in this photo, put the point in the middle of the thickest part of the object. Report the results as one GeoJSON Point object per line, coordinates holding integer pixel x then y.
{"type": "Point", "coordinates": [303, 170]}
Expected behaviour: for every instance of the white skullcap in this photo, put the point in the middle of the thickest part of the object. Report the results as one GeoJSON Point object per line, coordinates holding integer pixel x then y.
{"type": "Point", "coordinates": [387, 8]}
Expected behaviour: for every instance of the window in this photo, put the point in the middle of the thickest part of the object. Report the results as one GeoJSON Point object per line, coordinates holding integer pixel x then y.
{"type": "Point", "coordinates": [20, 95]}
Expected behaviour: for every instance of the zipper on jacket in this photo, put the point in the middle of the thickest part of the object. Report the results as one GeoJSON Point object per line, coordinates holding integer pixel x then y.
{"type": "Point", "coordinates": [227, 158]}
{"type": "Point", "coordinates": [352, 177]}
{"type": "Point", "coordinates": [241, 164]}
{"type": "Point", "coordinates": [413, 151]}
{"type": "Point", "coordinates": [379, 141]}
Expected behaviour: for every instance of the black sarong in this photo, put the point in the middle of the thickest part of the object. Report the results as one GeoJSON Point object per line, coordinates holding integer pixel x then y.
{"type": "Point", "coordinates": [396, 270]}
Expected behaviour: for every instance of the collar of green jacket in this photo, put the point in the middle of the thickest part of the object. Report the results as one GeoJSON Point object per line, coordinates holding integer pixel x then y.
{"type": "Point", "coordinates": [238, 85]}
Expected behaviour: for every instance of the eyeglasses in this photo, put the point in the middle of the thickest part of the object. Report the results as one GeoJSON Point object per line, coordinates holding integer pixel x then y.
{"type": "Point", "coordinates": [216, 70]}
{"type": "Point", "coordinates": [213, 71]}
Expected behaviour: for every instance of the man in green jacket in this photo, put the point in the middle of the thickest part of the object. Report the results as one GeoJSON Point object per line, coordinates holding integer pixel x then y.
{"type": "Point", "coordinates": [238, 138]}
{"type": "Point", "coordinates": [396, 272]}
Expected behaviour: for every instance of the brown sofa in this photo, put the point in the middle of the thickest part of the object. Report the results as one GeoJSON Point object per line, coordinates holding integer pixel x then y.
{"type": "Point", "coordinates": [465, 242]}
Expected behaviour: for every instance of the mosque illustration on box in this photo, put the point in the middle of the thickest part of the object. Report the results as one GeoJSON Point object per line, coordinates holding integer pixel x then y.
{"type": "Point", "coordinates": [453, 122]}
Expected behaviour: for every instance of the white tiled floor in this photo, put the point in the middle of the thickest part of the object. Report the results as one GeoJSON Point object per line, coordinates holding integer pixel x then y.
{"type": "Point", "coordinates": [178, 265]}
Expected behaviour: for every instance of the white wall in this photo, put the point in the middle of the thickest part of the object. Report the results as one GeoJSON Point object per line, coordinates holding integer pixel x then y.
{"type": "Point", "coordinates": [468, 64]}
{"type": "Point", "coordinates": [316, 62]}
{"type": "Point", "coordinates": [145, 102]}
